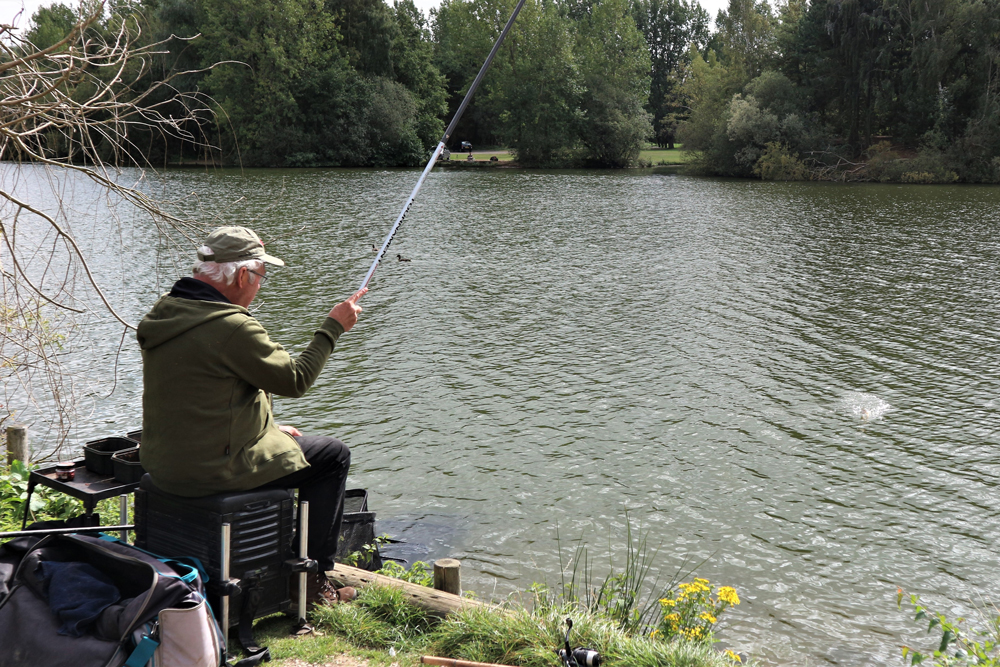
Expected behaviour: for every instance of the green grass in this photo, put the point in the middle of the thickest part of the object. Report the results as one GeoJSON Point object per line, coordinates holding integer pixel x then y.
{"type": "Point", "coordinates": [664, 156]}
{"type": "Point", "coordinates": [655, 156]}
{"type": "Point", "coordinates": [381, 619]}
{"type": "Point", "coordinates": [482, 156]}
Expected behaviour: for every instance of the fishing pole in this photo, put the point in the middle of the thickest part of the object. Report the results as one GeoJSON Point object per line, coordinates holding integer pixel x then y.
{"type": "Point", "coordinates": [441, 144]}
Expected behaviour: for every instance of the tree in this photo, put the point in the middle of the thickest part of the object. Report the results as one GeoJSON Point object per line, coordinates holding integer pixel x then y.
{"type": "Point", "coordinates": [284, 53]}
{"type": "Point", "coordinates": [746, 32]}
{"type": "Point", "coordinates": [535, 87]}
{"type": "Point", "coordinates": [412, 55]}
{"type": "Point", "coordinates": [464, 32]}
{"type": "Point", "coordinates": [670, 28]}
{"type": "Point", "coordinates": [615, 66]}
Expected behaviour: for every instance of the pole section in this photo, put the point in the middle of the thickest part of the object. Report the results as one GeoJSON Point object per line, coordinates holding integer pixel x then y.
{"type": "Point", "coordinates": [441, 144]}
{"type": "Point", "coordinates": [304, 553]}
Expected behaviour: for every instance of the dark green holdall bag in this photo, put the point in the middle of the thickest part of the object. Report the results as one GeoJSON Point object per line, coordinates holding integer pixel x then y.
{"type": "Point", "coordinates": [82, 601]}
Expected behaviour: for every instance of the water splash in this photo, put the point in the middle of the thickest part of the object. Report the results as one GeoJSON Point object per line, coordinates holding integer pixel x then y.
{"type": "Point", "coordinates": [864, 407]}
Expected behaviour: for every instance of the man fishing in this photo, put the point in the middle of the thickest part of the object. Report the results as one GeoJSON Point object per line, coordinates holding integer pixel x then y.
{"type": "Point", "coordinates": [209, 370]}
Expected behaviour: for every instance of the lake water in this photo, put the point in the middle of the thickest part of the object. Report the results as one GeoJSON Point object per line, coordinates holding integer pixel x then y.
{"type": "Point", "coordinates": [794, 383]}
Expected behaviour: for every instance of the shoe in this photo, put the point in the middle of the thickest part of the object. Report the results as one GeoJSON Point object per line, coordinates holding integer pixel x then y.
{"type": "Point", "coordinates": [320, 590]}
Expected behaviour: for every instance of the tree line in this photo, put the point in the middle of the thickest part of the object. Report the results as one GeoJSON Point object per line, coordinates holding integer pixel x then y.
{"type": "Point", "coordinates": [875, 89]}
{"type": "Point", "coordinates": [365, 83]}
{"type": "Point", "coordinates": [890, 90]}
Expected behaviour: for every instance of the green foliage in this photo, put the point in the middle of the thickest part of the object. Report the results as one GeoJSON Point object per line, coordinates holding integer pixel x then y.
{"type": "Point", "coordinates": [670, 28]}
{"type": "Point", "coordinates": [709, 88]}
{"type": "Point", "coordinates": [854, 72]}
{"type": "Point", "coordinates": [615, 65]}
{"type": "Point", "coordinates": [51, 24]}
{"type": "Point", "coordinates": [412, 54]}
{"type": "Point", "coordinates": [956, 646]}
{"type": "Point", "coordinates": [886, 165]}
{"type": "Point", "coordinates": [746, 36]}
{"type": "Point", "coordinates": [536, 88]}
{"type": "Point", "coordinates": [777, 163]}
{"type": "Point", "coordinates": [45, 502]}
{"type": "Point", "coordinates": [364, 556]}
{"type": "Point", "coordinates": [735, 134]}
{"type": "Point", "coordinates": [629, 599]}
{"type": "Point", "coordinates": [420, 573]}
{"type": "Point", "coordinates": [568, 86]}
{"type": "Point", "coordinates": [464, 32]}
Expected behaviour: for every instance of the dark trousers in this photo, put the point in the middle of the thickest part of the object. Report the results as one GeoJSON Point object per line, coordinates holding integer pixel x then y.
{"type": "Point", "coordinates": [322, 485]}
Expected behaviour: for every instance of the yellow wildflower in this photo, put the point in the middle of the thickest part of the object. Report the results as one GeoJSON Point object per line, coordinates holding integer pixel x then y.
{"type": "Point", "coordinates": [701, 581]}
{"type": "Point", "coordinates": [667, 602]}
{"type": "Point", "coordinates": [733, 656]}
{"type": "Point", "coordinates": [728, 595]}
{"type": "Point", "coordinates": [672, 617]}
{"type": "Point", "coordinates": [707, 617]}
{"type": "Point", "coordinates": [654, 633]}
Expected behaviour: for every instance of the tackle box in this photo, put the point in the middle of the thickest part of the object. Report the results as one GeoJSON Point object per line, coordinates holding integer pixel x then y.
{"type": "Point", "coordinates": [261, 526]}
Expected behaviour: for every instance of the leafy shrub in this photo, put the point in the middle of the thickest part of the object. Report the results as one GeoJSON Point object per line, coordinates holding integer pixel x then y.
{"type": "Point", "coordinates": [777, 163]}
{"type": "Point", "coordinates": [420, 573]}
{"type": "Point", "coordinates": [887, 166]}
{"type": "Point", "coordinates": [956, 646]}
{"type": "Point", "coordinates": [46, 503]}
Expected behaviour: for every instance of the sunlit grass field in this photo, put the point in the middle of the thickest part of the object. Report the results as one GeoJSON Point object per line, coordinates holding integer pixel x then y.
{"type": "Point", "coordinates": [652, 154]}
{"type": "Point", "coordinates": [664, 155]}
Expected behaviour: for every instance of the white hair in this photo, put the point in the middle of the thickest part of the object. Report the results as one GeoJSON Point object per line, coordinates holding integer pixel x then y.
{"type": "Point", "coordinates": [225, 272]}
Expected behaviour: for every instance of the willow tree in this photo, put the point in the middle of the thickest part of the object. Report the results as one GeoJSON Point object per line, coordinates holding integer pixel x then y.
{"type": "Point", "coordinates": [72, 110]}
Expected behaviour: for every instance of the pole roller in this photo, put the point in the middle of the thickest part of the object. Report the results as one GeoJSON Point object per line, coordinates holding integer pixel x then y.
{"type": "Point", "coordinates": [441, 144]}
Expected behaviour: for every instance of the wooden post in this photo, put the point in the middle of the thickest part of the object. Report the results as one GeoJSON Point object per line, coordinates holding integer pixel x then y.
{"type": "Point", "coordinates": [17, 443]}
{"type": "Point", "coordinates": [448, 575]}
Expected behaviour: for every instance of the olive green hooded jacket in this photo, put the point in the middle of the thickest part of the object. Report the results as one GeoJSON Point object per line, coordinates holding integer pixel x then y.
{"type": "Point", "coordinates": [208, 368]}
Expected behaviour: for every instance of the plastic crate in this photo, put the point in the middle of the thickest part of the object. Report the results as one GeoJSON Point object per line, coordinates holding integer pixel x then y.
{"type": "Point", "coordinates": [135, 435]}
{"type": "Point", "coordinates": [97, 454]}
{"type": "Point", "coordinates": [127, 467]}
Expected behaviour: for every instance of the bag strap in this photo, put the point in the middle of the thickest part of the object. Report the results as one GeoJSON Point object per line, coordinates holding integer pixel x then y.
{"type": "Point", "coordinates": [251, 600]}
{"type": "Point", "coordinates": [190, 566]}
{"type": "Point", "coordinates": [143, 652]}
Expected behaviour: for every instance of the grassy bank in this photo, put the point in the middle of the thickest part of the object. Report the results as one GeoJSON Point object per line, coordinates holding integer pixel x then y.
{"type": "Point", "coordinates": [650, 156]}
{"type": "Point", "coordinates": [382, 628]}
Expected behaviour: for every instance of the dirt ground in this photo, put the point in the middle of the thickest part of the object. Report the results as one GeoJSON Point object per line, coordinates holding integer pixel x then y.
{"type": "Point", "coordinates": [335, 661]}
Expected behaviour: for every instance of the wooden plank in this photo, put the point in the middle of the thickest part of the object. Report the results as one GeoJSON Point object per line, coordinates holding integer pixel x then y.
{"type": "Point", "coordinates": [437, 603]}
